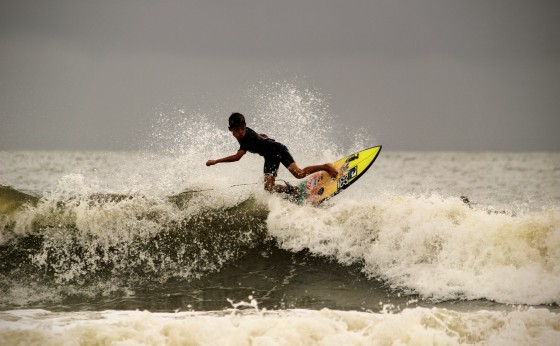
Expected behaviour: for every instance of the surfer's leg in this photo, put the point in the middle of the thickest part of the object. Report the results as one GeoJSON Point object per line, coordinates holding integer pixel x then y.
{"type": "Point", "coordinates": [271, 165]}
{"type": "Point", "coordinates": [302, 173]}
{"type": "Point", "coordinates": [288, 161]}
{"type": "Point", "coordinates": [269, 180]}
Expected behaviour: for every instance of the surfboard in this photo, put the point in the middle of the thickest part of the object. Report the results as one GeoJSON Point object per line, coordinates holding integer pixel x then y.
{"type": "Point", "coordinates": [319, 187]}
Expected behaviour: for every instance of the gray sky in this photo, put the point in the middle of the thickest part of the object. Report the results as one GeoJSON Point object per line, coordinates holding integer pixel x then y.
{"type": "Point", "coordinates": [420, 74]}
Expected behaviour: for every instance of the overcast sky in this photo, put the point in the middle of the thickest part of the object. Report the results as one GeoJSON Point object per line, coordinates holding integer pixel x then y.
{"type": "Point", "coordinates": [422, 74]}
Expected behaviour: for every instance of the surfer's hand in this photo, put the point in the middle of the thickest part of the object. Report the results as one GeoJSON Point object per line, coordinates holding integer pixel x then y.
{"type": "Point", "coordinates": [210, 162]}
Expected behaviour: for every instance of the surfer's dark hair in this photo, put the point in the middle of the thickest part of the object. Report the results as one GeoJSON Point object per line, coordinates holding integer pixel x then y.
{"type": "Point", "coordinates": [236, 120]}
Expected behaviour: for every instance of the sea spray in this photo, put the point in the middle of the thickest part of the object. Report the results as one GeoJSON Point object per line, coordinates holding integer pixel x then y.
{"type": "Point", "coordinates": [298, 117]}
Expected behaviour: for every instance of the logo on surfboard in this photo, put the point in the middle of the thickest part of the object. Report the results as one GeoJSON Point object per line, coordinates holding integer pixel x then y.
{"type": "Point", "coordinates": [347, 176]}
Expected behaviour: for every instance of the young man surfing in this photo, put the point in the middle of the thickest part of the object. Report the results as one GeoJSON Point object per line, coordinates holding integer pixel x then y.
{"type": "Point", "coordinates": [273, 152]}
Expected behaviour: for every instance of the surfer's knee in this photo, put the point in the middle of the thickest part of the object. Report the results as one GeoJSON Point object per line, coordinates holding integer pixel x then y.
{"type": "Point", "coordinates": [299, 174]}
{"type": "Point", "coordinates": [296, 171]}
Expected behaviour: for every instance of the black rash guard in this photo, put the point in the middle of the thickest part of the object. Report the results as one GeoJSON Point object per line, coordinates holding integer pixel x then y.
{"type": "Point", "coordinates": [256, 144]}
{"type": "Point", "coordinates": [272, 151]}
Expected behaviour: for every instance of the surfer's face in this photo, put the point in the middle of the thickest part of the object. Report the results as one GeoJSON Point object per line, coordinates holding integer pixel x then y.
{"type": "Point", "coordinates": [238, 132]}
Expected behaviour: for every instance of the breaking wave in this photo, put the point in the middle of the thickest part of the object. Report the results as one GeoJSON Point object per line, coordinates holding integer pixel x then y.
{"type": "Point", "coordinates": [438, 248]}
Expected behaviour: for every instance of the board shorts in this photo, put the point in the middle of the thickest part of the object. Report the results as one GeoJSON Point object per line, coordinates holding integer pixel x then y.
{"type": "Point", "coordinates": [272, 161]}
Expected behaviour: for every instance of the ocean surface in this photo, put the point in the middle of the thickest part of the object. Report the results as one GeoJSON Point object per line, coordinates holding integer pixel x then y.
{"type": "Point", "coordinates": [152, 247]}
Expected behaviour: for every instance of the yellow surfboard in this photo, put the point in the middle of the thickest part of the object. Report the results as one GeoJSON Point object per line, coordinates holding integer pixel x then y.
{"type": "Point", "coordinates": [318, 187]}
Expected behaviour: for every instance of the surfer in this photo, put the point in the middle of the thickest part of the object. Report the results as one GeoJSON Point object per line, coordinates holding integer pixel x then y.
{"type": "Point", "coordinates": [273, 152]}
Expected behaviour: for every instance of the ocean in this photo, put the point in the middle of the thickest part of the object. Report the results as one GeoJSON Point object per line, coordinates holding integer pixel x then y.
{"type": "Point", "coordinates": [151, 247]}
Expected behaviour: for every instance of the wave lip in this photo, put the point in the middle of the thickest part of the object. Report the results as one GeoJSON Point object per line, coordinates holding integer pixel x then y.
{"type": "Point", "coordinates": [12, 200]}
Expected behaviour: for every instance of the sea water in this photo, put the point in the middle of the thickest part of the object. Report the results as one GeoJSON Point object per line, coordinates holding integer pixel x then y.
{"type": "Point", "coordinates": [153, 247]}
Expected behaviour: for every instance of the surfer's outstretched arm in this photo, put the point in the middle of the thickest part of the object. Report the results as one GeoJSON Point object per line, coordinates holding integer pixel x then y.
{"type": "Point", "coordinates": [233, 158]}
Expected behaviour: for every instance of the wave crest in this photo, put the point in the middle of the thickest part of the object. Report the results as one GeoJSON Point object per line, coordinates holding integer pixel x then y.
{"type": "Point", "coordinates": [437, 247]}
{"type": "Point", "coordinates": [83, 241]}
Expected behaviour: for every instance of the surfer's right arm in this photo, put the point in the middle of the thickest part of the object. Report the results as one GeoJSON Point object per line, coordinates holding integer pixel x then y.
{"type": "Point", "coordinates": [235, 157]}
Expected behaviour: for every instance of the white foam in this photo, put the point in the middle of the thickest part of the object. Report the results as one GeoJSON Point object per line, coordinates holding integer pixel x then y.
{"type": "Point", "coordinates": [417, 326]}
{"type": "Point", "coordinates": [436, 247]}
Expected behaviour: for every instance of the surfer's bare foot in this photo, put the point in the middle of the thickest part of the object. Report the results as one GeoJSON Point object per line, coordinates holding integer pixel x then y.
{"type": "Point", "coordinates": [290, 189]}
{"type": "Point", "coordinates": [332, 171]}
